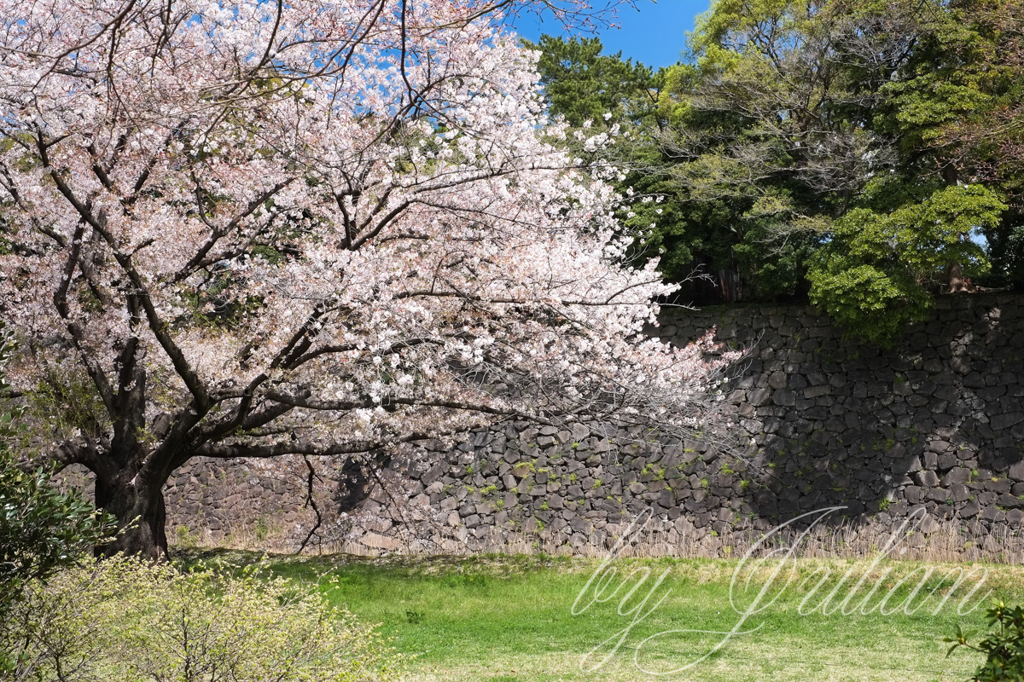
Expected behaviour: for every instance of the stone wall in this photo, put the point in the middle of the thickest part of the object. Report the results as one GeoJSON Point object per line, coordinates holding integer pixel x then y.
{"type": "Point", "coordinates": [936, 422]}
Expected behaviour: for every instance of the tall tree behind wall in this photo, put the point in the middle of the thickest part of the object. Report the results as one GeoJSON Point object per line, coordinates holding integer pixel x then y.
{"type": "Point", "coordinates": [831, 149]}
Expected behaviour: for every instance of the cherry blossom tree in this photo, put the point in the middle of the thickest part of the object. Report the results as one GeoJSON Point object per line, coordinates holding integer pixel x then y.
{"type": "Point", "coordinates": [261, 229]}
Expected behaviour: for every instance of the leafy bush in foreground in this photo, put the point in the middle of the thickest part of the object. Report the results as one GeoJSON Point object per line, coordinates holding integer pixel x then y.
{"type": "Point", "coordinates": [125, 620]}
{"type": "Point", "coordinates": [41, 529]}
{"type": "Point", "coordinates": [1004, 648]}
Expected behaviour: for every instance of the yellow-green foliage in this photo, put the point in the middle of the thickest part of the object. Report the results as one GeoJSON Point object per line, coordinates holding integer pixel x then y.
{"type": "Point", "coordinates": [125, 620]}
{"type": "Point", "coordinates": [872, 276]}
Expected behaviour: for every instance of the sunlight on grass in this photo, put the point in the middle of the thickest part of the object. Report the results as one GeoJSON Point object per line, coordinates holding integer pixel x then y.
{"type": "Point", "coordinates": [510, 618]}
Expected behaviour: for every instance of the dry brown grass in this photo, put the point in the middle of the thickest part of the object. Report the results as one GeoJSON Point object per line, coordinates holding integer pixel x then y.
{"type": "Point", "coordinates": [949, 542]}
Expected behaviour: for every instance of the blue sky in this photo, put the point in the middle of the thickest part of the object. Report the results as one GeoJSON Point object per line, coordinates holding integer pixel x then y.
{"type": "Point", "coordinates": [652, 33]}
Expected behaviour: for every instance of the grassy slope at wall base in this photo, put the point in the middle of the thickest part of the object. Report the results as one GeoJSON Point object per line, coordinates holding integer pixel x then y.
{"type": "Point", "coordinates": [505, 618]}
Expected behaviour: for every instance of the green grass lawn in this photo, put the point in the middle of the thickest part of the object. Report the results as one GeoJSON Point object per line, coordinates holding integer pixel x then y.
{"type": "Point", "coordinates": [510, 618]}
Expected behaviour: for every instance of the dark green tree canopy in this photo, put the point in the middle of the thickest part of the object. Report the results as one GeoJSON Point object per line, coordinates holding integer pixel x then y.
{"type": "Point", "coordinates": [582, 84]}
{"type": "Point", "coordinates": [864, 154]}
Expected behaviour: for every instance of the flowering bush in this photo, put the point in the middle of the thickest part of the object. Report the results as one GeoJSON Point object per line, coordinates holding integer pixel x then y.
{"type": "Point", "coordinates": [121, 619]}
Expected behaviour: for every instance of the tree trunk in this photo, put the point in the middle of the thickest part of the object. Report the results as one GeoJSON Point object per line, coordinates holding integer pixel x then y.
{"type": "Point", "coordinates": [956, 278]}
{"type": "Point", "coordinates": [131, 476]}
{"type": "Point", "coordinates": [141, 517]}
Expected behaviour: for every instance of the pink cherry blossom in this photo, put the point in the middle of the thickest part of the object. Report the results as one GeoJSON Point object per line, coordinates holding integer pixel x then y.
{"type": "Point", "coordinates": [309, 228]}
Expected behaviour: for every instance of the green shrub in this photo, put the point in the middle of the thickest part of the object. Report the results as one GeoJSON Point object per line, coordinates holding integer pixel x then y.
{"type": "Point", "coordinates": [262, 530]}
{"type": "Point", "coordinates": [1003, 648]}
{"type": "Point", "coordinates": [125, 620]}
{"type": "Point", "coordinates": [184, 538]}
{"type": "Point", "coordinates": [41, 528]}
{"type": "Point", "coordinates": [873, 275]}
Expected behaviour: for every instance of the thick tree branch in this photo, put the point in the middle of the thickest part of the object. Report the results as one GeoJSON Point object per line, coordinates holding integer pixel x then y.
{"type": "Point", "coordinates": [222, 451]}
{"type": "Point", "coordinates": [156, 324]}
{"type": "Point", "coordinates": [217, 234]}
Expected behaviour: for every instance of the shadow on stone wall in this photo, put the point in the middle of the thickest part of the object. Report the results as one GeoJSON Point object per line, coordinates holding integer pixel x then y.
{"type": "Point", "coordinates": [935, 421]}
